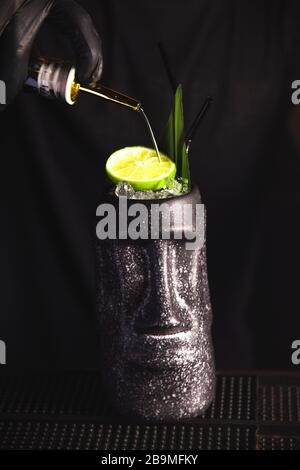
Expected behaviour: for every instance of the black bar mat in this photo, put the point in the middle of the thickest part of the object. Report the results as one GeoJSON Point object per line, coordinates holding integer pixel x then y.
{"type": "Point", "coordinates": [70, 411]}
{"type": "Point", "coordinates": [80, 394]}
{"type": "Point", "coordinates": [45, 435]}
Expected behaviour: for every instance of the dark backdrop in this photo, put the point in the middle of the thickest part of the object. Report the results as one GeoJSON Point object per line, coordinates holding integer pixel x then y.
{"type": "Point", "coordinates": [245, 159]}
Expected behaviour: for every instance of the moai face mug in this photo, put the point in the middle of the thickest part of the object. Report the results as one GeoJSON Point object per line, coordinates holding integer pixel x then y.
{"type": "Point", "coordinates": [154, 314]}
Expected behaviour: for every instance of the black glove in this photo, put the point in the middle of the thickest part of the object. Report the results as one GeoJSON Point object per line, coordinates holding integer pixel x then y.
{"type": "Point", "coordinates": [20, 21]}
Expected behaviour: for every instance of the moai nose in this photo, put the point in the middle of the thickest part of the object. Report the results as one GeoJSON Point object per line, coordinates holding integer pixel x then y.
{"type": "Point", "coordinates": [162, 313]}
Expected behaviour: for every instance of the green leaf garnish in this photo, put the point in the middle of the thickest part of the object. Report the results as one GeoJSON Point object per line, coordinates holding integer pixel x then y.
{"type": "Point", "coordinates": [173, 143]}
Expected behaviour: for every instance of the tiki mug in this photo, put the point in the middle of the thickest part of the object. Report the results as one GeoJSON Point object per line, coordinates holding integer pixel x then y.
{"type": "Point", "coordinates": [154, 313]}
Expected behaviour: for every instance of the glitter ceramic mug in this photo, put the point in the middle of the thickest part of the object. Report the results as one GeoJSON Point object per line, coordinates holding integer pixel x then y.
{"type": "Point", "coordinates": [154, 319]}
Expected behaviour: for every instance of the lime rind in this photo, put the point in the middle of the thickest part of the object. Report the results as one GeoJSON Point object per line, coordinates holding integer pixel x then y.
{"type": "Point", "coordinates": [139, 166]}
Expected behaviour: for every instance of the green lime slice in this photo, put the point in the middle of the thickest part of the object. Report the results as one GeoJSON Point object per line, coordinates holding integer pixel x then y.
{"type": "Point", "coordinates": [140, 167]}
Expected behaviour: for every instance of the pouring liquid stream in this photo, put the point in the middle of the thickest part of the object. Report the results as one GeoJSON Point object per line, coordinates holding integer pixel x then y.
{"type": "Point", "coordinates": [146, 120]}
{"type": "Point", "coordinates": [107, 93]}
{"type": "Point", "coordinates": [56, 80]}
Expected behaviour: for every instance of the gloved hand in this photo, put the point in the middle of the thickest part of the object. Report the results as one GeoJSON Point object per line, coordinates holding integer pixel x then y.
{"type": "Point", "coordinates": [20, 21]}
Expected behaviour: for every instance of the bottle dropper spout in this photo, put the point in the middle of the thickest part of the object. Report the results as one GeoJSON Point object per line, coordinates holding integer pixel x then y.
{"type": "Point", "coordinates": [116, 97]}
{"type": "Point", "coordinates": [111, 95]}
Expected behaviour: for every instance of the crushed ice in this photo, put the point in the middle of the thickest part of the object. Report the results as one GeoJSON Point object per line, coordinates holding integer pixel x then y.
{"type": "Point", "coordinates": [173, 187]}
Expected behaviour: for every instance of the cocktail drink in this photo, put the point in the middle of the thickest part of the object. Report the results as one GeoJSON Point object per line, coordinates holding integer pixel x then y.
{"type": "Point", "coordinates": [153, 305]}
{"type": "Point", "coordinates": [153, 309]}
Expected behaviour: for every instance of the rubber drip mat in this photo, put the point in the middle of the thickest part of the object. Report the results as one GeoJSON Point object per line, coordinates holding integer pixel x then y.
{"type": "Point", "coordinates": [80, 394]}
{"type": "Point", "coordinates": [70, 411]}
{"type": "Point", "coordinates": [278, 443]}
{"type": "Point", "coordinates": [46, 435]}
{"type": "Point", "coordinates": [278, 412]}
{"type": "Point", "coordinates": [279, 399]}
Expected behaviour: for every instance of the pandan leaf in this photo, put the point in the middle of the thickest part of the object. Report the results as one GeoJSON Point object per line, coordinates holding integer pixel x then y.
{"type": "Point", "coordinates": [168, 145]}
{"type": "Point", "coordinates": [173, 140]}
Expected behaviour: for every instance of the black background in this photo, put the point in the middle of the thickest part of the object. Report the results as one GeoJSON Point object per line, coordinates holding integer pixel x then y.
{"type": "Point", "coordinates": [245, 159]}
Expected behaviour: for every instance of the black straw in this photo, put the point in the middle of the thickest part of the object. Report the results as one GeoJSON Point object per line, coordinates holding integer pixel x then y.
{"type": "Point", "coordinates": [166, 63]}
{"type": "Point", "coordinates": [192, 130]}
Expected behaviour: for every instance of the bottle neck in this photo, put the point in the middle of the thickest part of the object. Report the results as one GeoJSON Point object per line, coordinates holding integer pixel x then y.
{"type": "Point", "coordinates": [55, 79]}
{"type": "Point", "coordinates": [52, 79]}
